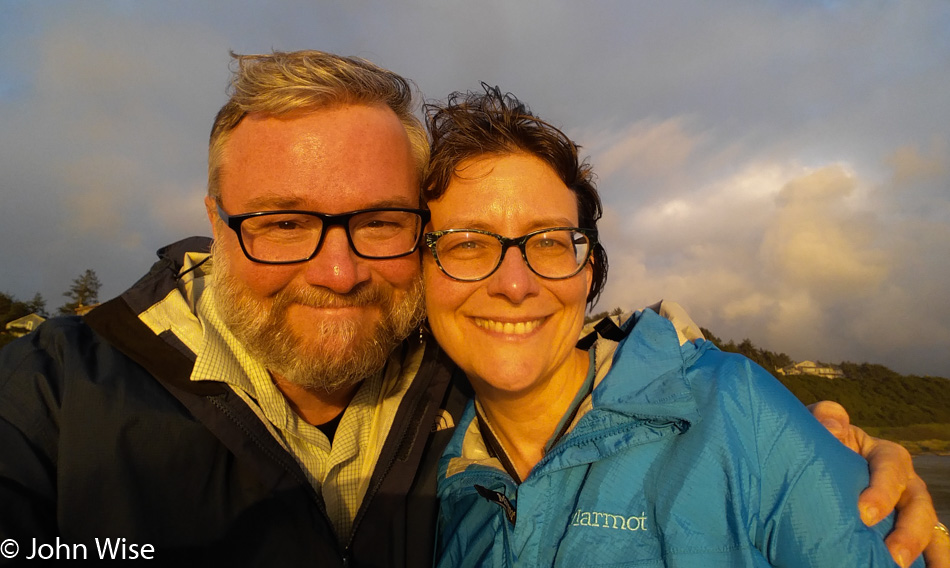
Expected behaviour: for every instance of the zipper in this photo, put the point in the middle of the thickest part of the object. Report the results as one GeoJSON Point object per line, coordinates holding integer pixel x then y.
{"type": "Point", "coordinates": [497, 497]}
{"type": "Point", "coordinates": [371, 491]}
{"type": "Point", "coordinates": [289, 465]}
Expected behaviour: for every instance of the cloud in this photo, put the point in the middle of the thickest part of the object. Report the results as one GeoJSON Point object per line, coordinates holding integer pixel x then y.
{"type": "Point", "coordinates": [796, 258]}
{"type": "Point", "coordinates": [911, 166]}
{"type": "Point", "coordinates": [780, 168]}
{"type": "Point", "coordinates": [109, 117]}
{"type": "Point", "coordinates": [645, 149]}
{"type": "Point", "coordinates": [179, 211]}
{"type": "Point", "coordinates": [815, 242]}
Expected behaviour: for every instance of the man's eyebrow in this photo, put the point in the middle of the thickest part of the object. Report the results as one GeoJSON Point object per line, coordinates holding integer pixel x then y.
{"type": "Point", "coordinates": [400, 203]}
{"type": "Point", "coordinates": [266, 202]}
{"type": "Point", "coordinates": [275, 202]}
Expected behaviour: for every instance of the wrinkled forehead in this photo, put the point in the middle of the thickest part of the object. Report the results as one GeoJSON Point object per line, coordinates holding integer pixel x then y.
{"type": "Point", "coordinates": [331, 160]}
{"type": "Point", "coordinates": [511, 192]}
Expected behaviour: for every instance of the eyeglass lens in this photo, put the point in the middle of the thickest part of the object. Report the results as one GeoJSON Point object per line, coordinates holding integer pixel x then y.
{"type": "Point", "coordinates": [288, 237]}
{"type": "Point", "coordinates": [552, 254]}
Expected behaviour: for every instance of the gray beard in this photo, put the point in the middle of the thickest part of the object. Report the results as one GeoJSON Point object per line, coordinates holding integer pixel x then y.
{"type": "Point", "coordinates": [336, 354]}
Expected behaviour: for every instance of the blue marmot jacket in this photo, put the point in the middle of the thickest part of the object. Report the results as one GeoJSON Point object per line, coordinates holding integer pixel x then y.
{"type": "Point", "coordinates": [682, 456]}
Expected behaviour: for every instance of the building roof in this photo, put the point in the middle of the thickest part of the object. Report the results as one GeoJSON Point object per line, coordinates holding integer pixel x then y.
{"type": "Point", "coordinates": [25, 324]}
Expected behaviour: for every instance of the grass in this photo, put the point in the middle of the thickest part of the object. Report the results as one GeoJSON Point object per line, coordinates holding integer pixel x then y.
{"type": "Point", "coordinates": [917, 438]}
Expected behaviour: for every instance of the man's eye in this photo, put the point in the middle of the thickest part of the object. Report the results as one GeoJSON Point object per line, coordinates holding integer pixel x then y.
{"type": "Point", "coordinates": [286, 225]}
{"type": "Point", "coordinates": [380, 225]}
{"type": "Point", "coordinates": [279, 225]}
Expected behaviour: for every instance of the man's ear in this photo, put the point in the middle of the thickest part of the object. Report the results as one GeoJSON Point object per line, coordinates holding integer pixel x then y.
{"type": "Point", "coordinates": [211, 208]}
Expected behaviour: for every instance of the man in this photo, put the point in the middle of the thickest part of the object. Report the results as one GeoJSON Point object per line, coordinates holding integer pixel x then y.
{"type": "Point", "coordinates": [266, 404]}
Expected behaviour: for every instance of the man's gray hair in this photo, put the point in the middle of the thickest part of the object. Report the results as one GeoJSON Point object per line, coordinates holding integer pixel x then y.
{"type": "Point", "coordinates": [284, 82]}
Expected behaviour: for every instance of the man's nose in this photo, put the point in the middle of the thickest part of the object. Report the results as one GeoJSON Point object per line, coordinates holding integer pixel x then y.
{"type": "Point", "coordinates": [513, 279]}
{"type": "Point", "coordinates": [336, 266]}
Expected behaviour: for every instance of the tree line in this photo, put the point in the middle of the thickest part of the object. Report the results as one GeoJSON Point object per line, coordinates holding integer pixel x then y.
{"type": "Point", "coordinates": [84, 291]}
{"type": "Point", "coordinates": [873, 394]}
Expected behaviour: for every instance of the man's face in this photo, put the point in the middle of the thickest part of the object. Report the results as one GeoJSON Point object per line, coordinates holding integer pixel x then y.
{"type": "Point", "coordinates": [330, 321]}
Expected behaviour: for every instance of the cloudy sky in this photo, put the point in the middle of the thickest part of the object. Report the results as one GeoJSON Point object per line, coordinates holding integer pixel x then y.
{"type": "Point", "coordinates": [780, 168]}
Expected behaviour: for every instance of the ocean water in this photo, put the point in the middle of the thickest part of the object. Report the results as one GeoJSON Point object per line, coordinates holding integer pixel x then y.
{"type": "Point", "coordinates": [935, 470]}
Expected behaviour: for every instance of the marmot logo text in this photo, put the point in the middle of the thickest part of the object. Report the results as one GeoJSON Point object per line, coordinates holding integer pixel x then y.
{"type": "Point", "coordinates": [582, 518]}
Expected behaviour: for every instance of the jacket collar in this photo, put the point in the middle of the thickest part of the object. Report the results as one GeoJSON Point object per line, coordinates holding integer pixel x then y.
{"type": "Point", "coordinates": [139, 321]}
{"type": "Point", "coordinates": [648, 397]}
{"type": "Point", "coordinates": [649, 367]}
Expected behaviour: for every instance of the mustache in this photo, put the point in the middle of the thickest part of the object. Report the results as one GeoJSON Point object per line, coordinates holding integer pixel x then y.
{"type": "Point", "coordinates": [315, 297]}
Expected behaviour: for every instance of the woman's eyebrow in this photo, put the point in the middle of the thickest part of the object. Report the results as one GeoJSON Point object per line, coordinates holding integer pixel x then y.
{"type": "Point", "coordinates": [534, 225]}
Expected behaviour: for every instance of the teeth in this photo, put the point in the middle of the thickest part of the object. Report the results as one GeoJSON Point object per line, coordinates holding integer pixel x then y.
{"type": "Point", "coordinates": [508, 328]}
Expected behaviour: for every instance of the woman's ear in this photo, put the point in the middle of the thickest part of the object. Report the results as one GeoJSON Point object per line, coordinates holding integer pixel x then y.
{"type": "Point", "coordinates": [589, 273]}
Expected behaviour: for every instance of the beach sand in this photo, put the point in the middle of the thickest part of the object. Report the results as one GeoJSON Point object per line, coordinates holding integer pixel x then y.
{"type": "Point", "coordinates": [935, 470]}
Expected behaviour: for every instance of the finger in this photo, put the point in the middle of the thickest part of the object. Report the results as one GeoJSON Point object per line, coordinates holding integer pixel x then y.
{"type": "Point", "coordinates": [913, 529]}
{"type": "Point", "coordinates": [891, 468]}
{"type": "Point", "coordinates": [828, 409]}
{"type": "Point", "coordinates": [937, 553]}
{"type": "Point", "coordinates": [835, 418]}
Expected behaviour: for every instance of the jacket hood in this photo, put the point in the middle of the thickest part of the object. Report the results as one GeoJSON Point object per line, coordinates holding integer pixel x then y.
{"type": "Point", "coordinates": [648, 369]}
{"type": "Point", "coordinates": [176, 266]}
{"type": "Point", "coordinates": [641, 392]}
{"type": "Point", "coordinates": [161, 306]}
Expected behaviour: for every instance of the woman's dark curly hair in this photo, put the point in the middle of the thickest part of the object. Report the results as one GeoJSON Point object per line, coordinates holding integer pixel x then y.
{"type": "Point", "coordinates": [471, 125]}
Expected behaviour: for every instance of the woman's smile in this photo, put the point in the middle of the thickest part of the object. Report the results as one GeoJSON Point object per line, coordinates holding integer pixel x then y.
{"type": "Point", "coordinates": [509, 327]}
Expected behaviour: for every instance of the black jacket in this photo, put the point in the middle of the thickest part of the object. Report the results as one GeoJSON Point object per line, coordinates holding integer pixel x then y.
{"type": "Point", "coordinates": [103, 435]}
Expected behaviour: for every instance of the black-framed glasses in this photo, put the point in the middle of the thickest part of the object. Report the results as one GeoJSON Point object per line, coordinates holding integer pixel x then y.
{"type": "Point", "coordinates": [289, 236]}
{"type": "Point", "coordinates": [471, 254]}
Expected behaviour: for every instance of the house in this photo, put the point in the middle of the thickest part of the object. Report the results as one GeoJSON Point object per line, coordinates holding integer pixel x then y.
{"type": "Point", "coordinates": [21, 326]}
{"type": "Point", "coordinates": [812, 368]}
{"type": "Point", "coordinates": [82, 310]}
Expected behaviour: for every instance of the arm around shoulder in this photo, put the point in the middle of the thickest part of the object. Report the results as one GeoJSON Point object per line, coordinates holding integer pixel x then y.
{"type": "Point", "coordinates": [810, 484]}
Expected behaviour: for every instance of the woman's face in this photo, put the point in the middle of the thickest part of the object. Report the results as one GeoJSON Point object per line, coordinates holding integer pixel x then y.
{"type": "Point", "coordinates": [513, 329]}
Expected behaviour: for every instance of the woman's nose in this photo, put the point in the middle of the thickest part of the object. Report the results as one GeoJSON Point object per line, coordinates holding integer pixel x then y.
{"type": "Point", "coordinates": [513, 279]}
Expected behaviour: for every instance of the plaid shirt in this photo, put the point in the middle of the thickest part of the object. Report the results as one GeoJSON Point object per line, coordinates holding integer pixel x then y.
{"type": "Point", "coordinates": [341, 472]}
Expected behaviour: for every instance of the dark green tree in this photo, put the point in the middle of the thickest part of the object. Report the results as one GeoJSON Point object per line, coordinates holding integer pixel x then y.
{"type": "Point", "coordinates": [84, 292]}
{"type": "Point", "coordinates": [11, 308]}
{"type": "Point", "coordinates": [38, 305]}
{"type": "Point", "coordinates": [6, 303]}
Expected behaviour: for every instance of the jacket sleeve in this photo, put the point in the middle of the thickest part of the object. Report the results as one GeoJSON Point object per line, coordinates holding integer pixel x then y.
{"type": "Point", "coordinates": [30, 388]}
{"type": "Point", "coordinates": [809, 485]}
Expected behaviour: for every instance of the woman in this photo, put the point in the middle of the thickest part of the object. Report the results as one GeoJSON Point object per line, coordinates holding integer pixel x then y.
{"type": "Point", "coordinates": [640, 450]}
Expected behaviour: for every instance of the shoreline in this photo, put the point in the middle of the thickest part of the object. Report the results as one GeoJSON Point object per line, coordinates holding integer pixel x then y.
{"type": "Point", "coordinates": [934, 469]}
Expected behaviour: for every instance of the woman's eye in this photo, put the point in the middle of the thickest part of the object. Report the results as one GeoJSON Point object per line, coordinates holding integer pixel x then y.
{"type": "Point", "coordinates": [549, 245]}
{"type": "Point", "coordinates": [464, 246]}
